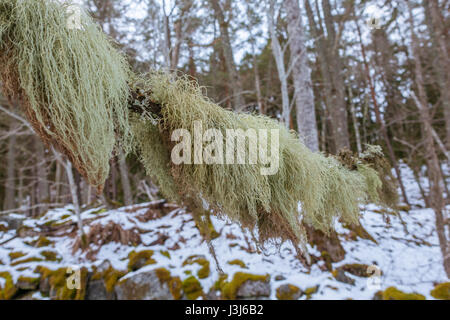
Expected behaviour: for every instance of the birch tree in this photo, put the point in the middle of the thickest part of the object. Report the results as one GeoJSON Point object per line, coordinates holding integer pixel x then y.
{"type": "Point", "coordinates": [301, 74]}
{"type": "Point", "coordinates": [278, 54]}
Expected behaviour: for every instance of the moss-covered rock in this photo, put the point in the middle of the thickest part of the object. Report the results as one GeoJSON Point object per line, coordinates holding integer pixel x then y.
{"type": "Point", "coordinates": [392, 293]}
{"type": "Point", "coordinates": [110, 276]}
{"type": "Point", "coordinates": [310, 291]}
{"type": "Point", "coordinates": [200, 260]}
{"type": "Point", "coordinates": [174, 283]}
{"type": "Point", "coordinates": [340, 276]}
{"type": "Point", "coordinates": [356, 269]}
{"type": "Point", "coordinates": [149, 285]}
{"type": "Point", "coordinates": [192, 288]}
{"type": "Point", "coordinates": [7, 290]}
{"type": "Point", "coordinates": [441, 291]}
{"type": "Point", "coordinates": [28, 283]}
{"type": "Point", "coordinates": [139, 259]}
{"type": "Point", "coordinates": [246, 285]}
{"type": "Point", "coordinates": [288, 292]}
{"type": "Point", "coordinates": [237, 262]}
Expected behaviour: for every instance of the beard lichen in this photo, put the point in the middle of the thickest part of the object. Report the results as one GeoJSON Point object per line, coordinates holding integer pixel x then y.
{"type": "Point", "coordinates": [71, 82]}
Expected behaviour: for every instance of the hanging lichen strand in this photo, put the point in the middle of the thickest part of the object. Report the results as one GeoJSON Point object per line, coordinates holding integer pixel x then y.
{"type": "Point", "coordinates": [70, 80]}
{"type": "Point", "coordinates": [325, 188]}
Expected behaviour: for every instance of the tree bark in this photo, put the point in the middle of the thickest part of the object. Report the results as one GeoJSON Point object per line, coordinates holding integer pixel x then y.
{"type": "Point", "coordinates": [42, 176]}
{"type": "Point", "coordinates": [235, 81]}
{"type": "Point", "coordinates": [9, 202]}
{"type": "Point", "coordinates": [301, 73]}
{"type": "Point", "coordinates": [125, 180]}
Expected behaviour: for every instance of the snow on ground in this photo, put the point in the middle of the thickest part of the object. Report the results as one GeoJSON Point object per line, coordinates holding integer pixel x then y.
{"type": "Point", "coordinates": [407, 254]}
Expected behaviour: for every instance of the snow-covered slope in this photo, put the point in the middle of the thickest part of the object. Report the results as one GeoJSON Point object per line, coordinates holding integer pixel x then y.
{"type": "Point", "coordinates": [405, 252]}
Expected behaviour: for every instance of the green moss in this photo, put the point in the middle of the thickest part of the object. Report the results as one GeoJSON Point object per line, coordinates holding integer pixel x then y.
{"type": "Point", "coordinates": [441, 291]}
{"type": "Point", "coordinates": [174, 283]}
{"type": "Point", "coordinates": [50, 255]}
{"type": "Point", "coordinates": [42, 242]}
{"type": "Point", "coordinates": [65, 216]}
{"type": "Point", "coordinates": [165, 254]}
{"type": "Point", "coordinates": [139, 259]}
{"type": "Point", "coordinates": [283, 294]}
{"type": "Point", "coordinates": [102, 210]}
{"type": "Point", "coordinates": [192, 288]}
{"type": "Point", "coordinates": [9, 290]}
{"type": "Point", "coordinates": [206, 227]}
{"type": "Point", "coordinates": [219, 284]}
{"type": "Point", "coordinates": [27, 260]}
{"type": "Point", "coordinates": [237, 262]}
{"type": "Point", "coordinates": [16, 255]}
{"type": "Point", "coordinates": [230, 289]}
{"type": "Point", "coordinates": [110, 277]}
{"type": "Point", "coordinates": [392, 293]}
{"type": "Point", "coordinates": [204, 271]}
{"type": "Point", "coordinates": [310, 291]}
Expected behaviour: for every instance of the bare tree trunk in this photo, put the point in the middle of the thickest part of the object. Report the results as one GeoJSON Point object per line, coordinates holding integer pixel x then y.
{"type": "Point", "coordinates": [338, 109]}
{"type": "Point", "coordinates": [57, 182]}
{"type": "Point", "coordinates": [235, 81]}
{"type": "Point", "coordinates": [301, 73]}
{"type": "Point", "coordinates": [258, 86]}
{"type": "Point", "coordinates": [126, 187]}
{"type": "Point", "coordinates": [167, 39]}
{"type": "Point", "coordinates": [75, 199]}
{"type": "Point", "coordinates": [279, 59]}
{"type": "Point", "coordinates": [435, 197]}
{"type": "Point", "coordinates": [439, 39]}
{"type": "Point", "coordinates": [9, 202]}
{"type": "Point", "coordinates": [355, 121]}
{"type": "Point", "coordinates": [42, 176]}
